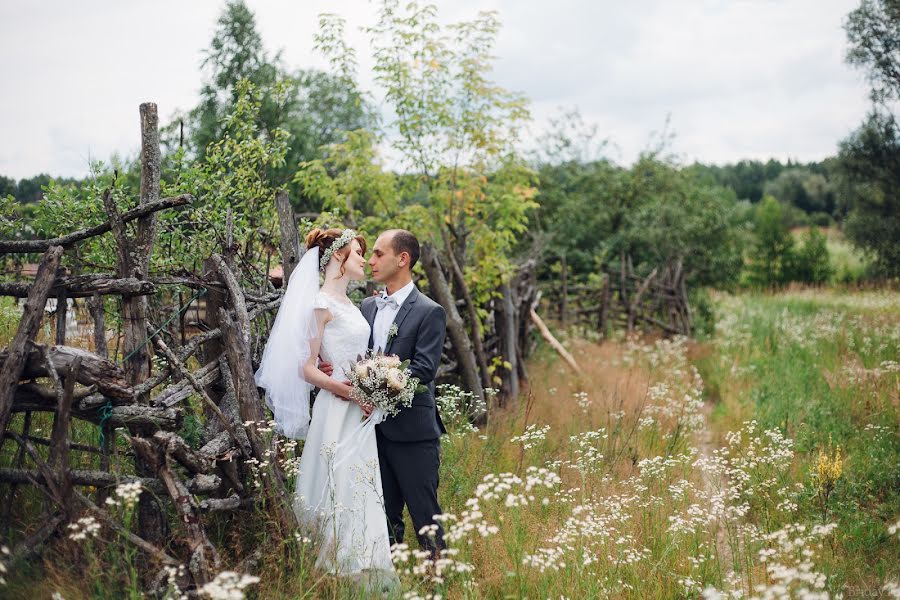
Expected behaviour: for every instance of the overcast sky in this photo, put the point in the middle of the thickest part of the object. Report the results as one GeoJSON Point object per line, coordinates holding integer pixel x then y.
{"type": "Point", "coordinates": [740, 78]}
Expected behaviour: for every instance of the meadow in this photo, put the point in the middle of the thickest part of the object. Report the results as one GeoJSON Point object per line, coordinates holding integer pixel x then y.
{"type": "Point", "coordinates": [761, 462]}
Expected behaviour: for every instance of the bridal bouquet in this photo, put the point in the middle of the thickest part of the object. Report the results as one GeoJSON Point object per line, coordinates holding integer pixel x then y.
{"type": "Point", "coordinates": [383, 382]}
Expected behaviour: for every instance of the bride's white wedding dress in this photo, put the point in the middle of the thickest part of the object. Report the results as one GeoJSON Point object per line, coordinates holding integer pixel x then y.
{"type": "Point", "coordinates": [339, 495]}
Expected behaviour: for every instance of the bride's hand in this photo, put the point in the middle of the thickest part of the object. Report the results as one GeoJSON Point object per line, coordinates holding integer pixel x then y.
{"type": "Point", "coordinates": [366, 408]}
{"type": "Point", "coordinates": [343, 390]}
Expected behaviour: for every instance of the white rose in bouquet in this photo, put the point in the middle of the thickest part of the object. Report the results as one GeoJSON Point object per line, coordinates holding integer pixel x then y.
{"type": "Point", "coordinates": [391, 360]}
{"type": "Point", "coordinates": [396, 380]}
{"type": "Point", "coordinates": [362, 369]}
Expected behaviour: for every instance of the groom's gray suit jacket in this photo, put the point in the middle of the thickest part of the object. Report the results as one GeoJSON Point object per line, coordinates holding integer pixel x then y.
{"type": "Point", "coordinates": [421, 326]}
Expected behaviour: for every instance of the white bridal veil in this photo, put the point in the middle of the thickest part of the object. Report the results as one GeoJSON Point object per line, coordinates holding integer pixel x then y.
{"type": "Point", "coordinates": [288, 349]}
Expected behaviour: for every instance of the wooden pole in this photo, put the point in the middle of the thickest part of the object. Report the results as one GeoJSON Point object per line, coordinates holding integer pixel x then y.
{"type": "Point", "coordinates": [462, 287]}
{"type": "Point", "coordinates": [604, 304]}
{"type": "Point", "coordinates": [554, 342]}
{"type": "Point", "coordinates": [28, 326]}
{"type": "Point", "coordinates": [290, 238]}
{"type": "Point", "coordinates": [96, 307]}
{"type": "Point", "coordinates": [564, 299]}
{"type": "Point", "coordinates": [61, 318]}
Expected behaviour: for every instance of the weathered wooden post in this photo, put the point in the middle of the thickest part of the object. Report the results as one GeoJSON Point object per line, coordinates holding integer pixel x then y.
{"type": "Point", "coordinates": [28, 326]}
{"type": "Point", "coordinates": [508, 333]}
{"type": "Point", "coordinates": [604, 305]}
{"type": "Point", "coordinates": [95, 304]}
{"type": "Point", "coordinates": [290, 238]}
{"type": "Point", "coordinates": [61, 314]}
{"type": "Point", "coordinates": [134, 261]}
{"type": "Point", "coordinates": [564, 286]}
{"type": "Point", "coordinates": [134, 255]}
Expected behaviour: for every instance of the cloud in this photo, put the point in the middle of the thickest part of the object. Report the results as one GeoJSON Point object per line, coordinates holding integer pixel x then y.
{"type": "Point", "coordinates": [740, 78]}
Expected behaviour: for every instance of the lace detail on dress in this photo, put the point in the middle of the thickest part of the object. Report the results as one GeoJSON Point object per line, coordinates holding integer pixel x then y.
{"type": "Point", "coordinates": [346, 334]}
{"type": "Point", "coordinates": [321, 301]}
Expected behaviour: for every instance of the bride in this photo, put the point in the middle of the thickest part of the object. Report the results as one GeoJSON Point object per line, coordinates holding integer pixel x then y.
{"type": "Point", "coordinates": [339, 495]}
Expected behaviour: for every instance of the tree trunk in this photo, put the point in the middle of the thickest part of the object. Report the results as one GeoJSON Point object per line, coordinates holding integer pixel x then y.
{"type": "Point", "coordinates": [508, 330]}
{"type": "Point", "coordinates": [455, 328]}
{"type": "Point", "coordinates": [461, 286]}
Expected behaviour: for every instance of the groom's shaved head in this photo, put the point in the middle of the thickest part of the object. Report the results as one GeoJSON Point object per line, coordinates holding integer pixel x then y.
{"type": "Point", "coordinates": [402, 240]}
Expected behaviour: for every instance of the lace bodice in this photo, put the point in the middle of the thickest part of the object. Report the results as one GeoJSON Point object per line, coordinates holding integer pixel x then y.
{"type": "Point", "coordinates": [346, 335]}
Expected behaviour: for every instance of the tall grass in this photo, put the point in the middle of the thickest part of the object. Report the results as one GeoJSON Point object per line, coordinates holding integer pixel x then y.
{"type": "Point", "coordinates": [670, 469]}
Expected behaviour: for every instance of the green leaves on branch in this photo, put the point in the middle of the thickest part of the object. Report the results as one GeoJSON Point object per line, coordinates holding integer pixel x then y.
{"type": "Point", "coordinates": [236, 174]}
{"type": "Point", "coordinates": [351, 183]}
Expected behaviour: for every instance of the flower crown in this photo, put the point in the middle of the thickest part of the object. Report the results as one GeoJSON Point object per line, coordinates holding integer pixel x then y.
{"type": "Point", "coordinates": [346, 237]}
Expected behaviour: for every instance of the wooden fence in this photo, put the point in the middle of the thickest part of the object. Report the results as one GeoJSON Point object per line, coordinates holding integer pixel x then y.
{"type": "Point", "coordinates": [623, 299]}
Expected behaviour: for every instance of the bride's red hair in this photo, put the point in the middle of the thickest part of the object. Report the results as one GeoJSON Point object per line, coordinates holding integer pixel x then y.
{"type": "Point", "coordinates": [324, 238]}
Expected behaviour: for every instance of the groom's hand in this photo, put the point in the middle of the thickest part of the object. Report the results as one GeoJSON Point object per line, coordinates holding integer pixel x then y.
{"type": "Point", "coordinates": [326, 367]}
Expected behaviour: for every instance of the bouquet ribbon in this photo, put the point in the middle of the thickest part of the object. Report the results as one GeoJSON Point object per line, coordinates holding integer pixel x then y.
{"type": "Point", "coordinates": [349, 449]}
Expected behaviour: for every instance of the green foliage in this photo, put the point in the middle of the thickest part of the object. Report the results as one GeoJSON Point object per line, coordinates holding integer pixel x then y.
{"type": "Point", "coordinates": [9, 217]}
{"type": "Point", "coordinates": [654, 211]}
{"type": "Point", "coordinates": [873, 30]}
{"type": "Point", "coordinates": [7, 186]}
{"type": "Point", "coordinates": [236, 175]}
{"type": "Point", "coordinates": [870, 168]}
{"type": "Point", "coordinates": [465, 190]}
{"type": "Point", "coordinates": [67, 207]}
{"type": "Point", "coordinates": [312, 107]}
{"type": "Point", "coordinates": [869, 159]}
{"type": "Point", "coordinates": [810, 192]}
{"type": "Point", "coordinates": [703, 312]}
{"type": "Point", "coordinates": [771, 255]}
{"type": "Point", "coordinates": [351, 184]}
{"type": "Point", "coordinates": [811, 262]}
{"type": "Point", "coordinates": [747, 178]}
{"type": "Point", "coordinates": [674, 218]}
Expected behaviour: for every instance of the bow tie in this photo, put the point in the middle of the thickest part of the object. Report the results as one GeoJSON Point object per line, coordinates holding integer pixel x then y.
{"type": "Point", "coordinates": [386, 301]}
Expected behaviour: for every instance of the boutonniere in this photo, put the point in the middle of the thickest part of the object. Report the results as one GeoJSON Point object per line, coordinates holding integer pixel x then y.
{"type": "Point", "coordinates": [392, 331]}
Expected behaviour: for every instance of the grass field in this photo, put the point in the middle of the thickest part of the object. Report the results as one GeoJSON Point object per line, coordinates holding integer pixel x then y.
{"type": "Point", "coordinates": [762, 462]}
{"type": "Point", "coordinates": [848, 264]}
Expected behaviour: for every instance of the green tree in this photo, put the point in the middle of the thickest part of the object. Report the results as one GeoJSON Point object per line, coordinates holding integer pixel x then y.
{"type": "Point", "coordinates": [810, 192]}
{"type": "Point", "coordinates": [7, 186]}
{"type": "Point", "coordinates": [870, 166]}
{"type": "Point", "coordinates": [466, 191]}
{"type": "Point", "coordinates": [869, 159]}
{"type": "Point", "coordinates": [31, 189]}
{"type": "Point", "coordinates": [873, 31]}
{"type": "Point", "coordinates": [811, 262]}
{"type": "Point", "coordinates": [771, 256]}
{"type": "Point", "coordinates": [313, 107]}
{"type": "Point", "coordinates": [675, 217]}
{"type": "Point", "coordinates": [234, 175]}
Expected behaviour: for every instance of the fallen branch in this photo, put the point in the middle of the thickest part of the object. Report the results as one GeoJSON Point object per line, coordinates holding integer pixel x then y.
{"type": "Point", "coordinates": [84, 286]}
{"type": "Point", "coordinates": [545, 333]}
{"type": "Point", "coordinates": [106, 375]}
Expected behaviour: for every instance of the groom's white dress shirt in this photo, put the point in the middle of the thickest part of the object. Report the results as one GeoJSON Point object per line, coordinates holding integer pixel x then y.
{"type": "Point", "coordinates": [384, 318]}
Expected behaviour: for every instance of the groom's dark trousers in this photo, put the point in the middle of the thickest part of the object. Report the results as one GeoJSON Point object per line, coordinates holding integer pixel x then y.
{"type": "Point", "coordinates": [409, 443]}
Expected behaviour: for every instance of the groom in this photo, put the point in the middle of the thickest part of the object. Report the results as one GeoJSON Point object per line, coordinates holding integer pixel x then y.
{"type": "Point", "coordinates": [409, 324]}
